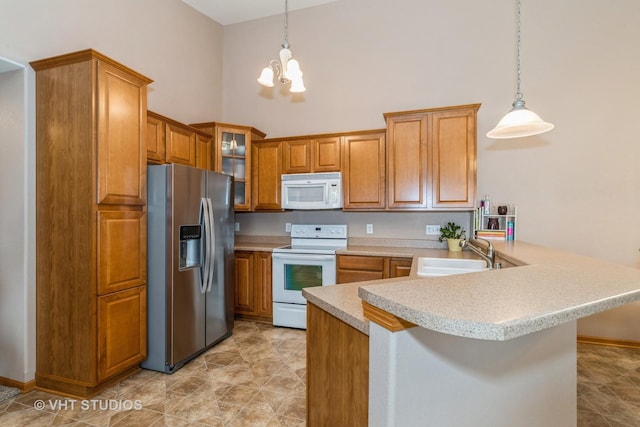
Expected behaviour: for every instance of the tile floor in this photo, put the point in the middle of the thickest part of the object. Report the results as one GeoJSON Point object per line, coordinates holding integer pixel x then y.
{"type": "Point", "coordinates": [257, 378]}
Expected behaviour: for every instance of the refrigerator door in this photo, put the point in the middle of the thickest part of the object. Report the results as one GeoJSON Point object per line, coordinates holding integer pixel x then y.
{"type": "Point", "coordinates": [186, 302]}
{"type": "Point", "coordinates": [219, 306]}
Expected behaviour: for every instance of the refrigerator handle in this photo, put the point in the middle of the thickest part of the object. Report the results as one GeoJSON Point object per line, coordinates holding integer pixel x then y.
{"type": "Point", "coordinates": [212, 245]}
{"type": "Point", "coordinates": [206, 218]}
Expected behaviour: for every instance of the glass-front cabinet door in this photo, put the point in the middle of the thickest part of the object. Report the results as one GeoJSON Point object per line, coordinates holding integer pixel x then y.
{"type": "Point", "coordinates": [234, 160]}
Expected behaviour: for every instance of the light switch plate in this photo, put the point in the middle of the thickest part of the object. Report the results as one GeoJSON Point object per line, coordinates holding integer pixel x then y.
{"type": "Point", "coordinates": [236, 226]}
{"type": "Point", "coordinates": [287, 227]}
{"type": "Point", "coordinates": [369, 228]}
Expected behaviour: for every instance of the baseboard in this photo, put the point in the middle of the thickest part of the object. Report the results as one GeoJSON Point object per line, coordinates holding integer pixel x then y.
{"type": "Point", "coordinates": [23, 387]}
{"type": "Point", "coordinates": [607, 341]}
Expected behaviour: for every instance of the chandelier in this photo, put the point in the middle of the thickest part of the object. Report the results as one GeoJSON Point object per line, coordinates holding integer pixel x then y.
{"type": "Point", "coordinates": [287, 69]}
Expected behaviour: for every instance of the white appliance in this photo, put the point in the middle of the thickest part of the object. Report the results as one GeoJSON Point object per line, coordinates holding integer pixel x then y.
{"type": "Point", "coordinates": [189, 263]}
{"type": "Point", "coordinates": [312, 190]}
{"type": "Point", "coordinates": [309, 261]}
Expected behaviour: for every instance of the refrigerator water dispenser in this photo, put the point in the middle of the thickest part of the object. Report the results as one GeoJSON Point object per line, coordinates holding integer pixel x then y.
{"type": "Point", "coordinates": [191, 247]}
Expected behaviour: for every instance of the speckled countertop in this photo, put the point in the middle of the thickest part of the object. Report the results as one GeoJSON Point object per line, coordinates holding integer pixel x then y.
{"type": "Point", "coordinates": [547, 288]}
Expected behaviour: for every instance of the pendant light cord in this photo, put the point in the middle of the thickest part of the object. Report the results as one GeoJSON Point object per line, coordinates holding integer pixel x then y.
{"type": "Point", "coordinates": [518, 93]}
{"type": "Point", "coordinates": [285, 44]}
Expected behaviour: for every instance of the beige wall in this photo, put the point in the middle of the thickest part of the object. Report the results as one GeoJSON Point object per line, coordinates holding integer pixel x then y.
{"type": "Point", "coordinates": [166, 40]}
{"type": "Point", "coordinates": [576, 187]}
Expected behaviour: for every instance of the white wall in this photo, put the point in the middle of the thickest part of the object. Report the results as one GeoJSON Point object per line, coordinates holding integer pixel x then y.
{"type": "Point", "coordinates": [575, 186]}
{"type": "Point", "coordinates": [166, 40]}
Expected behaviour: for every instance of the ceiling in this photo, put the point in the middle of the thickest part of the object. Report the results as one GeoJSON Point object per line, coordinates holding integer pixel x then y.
{"type": "Point", "coordinates": [228, 12]}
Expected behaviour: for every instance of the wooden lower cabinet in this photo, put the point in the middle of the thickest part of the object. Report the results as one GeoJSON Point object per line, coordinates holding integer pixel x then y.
{"type": "Point", "coordinates": [253, 293]}
{"type": "Point", "coordinates": [337, 371]}
{"type": "Point", "coordinates": [122, 332]}
{"type": "Point", "coordinates": [360, 268]}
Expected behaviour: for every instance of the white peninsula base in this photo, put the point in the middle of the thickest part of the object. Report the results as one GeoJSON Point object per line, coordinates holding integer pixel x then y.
{"type": "Point", "coordinates": [419, 377]}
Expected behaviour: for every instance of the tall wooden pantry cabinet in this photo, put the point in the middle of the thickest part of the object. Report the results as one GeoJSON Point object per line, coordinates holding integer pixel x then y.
{"type": "Point", "coordinates": [90, 222]}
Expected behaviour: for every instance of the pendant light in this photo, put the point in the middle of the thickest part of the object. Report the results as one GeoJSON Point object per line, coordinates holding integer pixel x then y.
{"type": "Point", "coordinates": [520, 121]}
{"type": "Point", "coordinates": [287, 69]}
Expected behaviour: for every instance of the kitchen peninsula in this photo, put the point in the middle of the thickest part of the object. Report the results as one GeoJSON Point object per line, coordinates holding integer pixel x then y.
{"type": "Point", "coordinates": [494, 348]}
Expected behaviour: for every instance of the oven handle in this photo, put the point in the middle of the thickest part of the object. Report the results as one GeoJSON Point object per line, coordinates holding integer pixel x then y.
{"type": "Point", "coordinates": [302, 257]}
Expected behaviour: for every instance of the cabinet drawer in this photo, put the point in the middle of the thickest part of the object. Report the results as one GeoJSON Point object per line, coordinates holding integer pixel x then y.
{"type": "Point", "coordinates": [356, 262]}
{"type": "Point", "coordinates": [348, 276]}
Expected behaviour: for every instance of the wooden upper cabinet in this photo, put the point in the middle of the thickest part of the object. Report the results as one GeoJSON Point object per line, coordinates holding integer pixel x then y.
{"type": "Point", "coordinates": [121, 126]}
{"type": "Point", "coordinates": [155, 139]}
{"type": "Point", "coordinates": [180, 144]}
{"type": "Point", "coordinates": [204, 158]}
{"type": "Point", "coordinates": [231, 153]}
{"type": "Point", "coordinates": [296, 156]}
{"type": "Point", "coordinates": [266, 171]}
{"type": "Point", "coordinates": [313, 154]}
{"type": "Point", "coordinates": [406, 161]}
{"type": "Point", "coordinates": [326, 154]}
{"type": "Point", "coordinates": [431, 158]}
{"type": "Point", "coordinates": [453, 142]}
{"type": "Point", "coordinates": [363, 171]}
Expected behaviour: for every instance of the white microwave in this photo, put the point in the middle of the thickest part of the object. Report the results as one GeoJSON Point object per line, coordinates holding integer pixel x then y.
{"type": "Point", "coordinates": [312, 190]}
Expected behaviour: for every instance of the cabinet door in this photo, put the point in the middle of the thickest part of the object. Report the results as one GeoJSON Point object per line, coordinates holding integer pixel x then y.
{"type": "Point", "coordinates": [266, 175]}
{"type": "Point", "coordinates": [155, 140]}
{"type": "Point", "coordinates": [363, 171]}
{"type": "Point", "coordinates": [203, 152]}
{"type": "Point", "coordinates": [407, 161]}
{"type": "Point", "coordinates": [234, 146]}
{"type": "Point", "coordinates": [122, 250]}
{"type": "Point", "coordinates": [356, 268]}
{"type": "Point", "coordinates": [262, 282]}
{"type": "Point", "coordinates": [122, 122]}
{"type": "Point", "coordinates": [296, 156]}
{"type": "Point", "coordinates": [122, 331]}
{"type": "Point", "coordinates": [453, 142]}
{"type": "Point", "coordinates": [326, 154]}
{"type": "Point", "coordinates": [244, 296]}
{"type": "Point", "coordinates": [399, 267]}
{"type": "Point", "coordinates": [180, 145]}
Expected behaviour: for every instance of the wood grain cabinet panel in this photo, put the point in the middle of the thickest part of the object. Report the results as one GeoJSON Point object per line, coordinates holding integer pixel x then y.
{"type": "Point", "coordinates": [297, 156]}
{"type": "Point", "coordinates": [326, 154]}
{"type": "Point", "coordinates": [90, 222]}
{"type": "Point", "coordinates": [453, 141]}
{"type": "Point", "coordinates": [337, 371]}
{"type": "Point", "coordinates": [122, 250]}
{"type": "Point", "coordinates": [204, 158]}
{"type": "Point", "coordinates": [266, 171]}
{"type": "Point", "coordinates": [253, 286]}
{"type": "Point", "coordinates": [399, 267]}
{"type": "Point", "coordinates": [180, 145]}
{"type": "Point", "coordinates": [407, 161]}
{"type": "Point", "coordinates": [122, 332]}
{"type": "Point", "coordinates": [361, 268]}
{"type": "Point", "coordinates": [121, 158]}
{"type": "Point", "coordinates": [363, 171]}
{"type": "Point", "coordinates": [155, 139]}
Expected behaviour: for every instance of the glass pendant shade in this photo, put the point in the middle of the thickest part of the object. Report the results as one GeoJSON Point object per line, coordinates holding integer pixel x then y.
{"type": "Point", "coordinates": [266, 77]}
{"type": "Point", "coordinates": [297, 85]}
{"type": "Point", "coordinates": [519, 122]}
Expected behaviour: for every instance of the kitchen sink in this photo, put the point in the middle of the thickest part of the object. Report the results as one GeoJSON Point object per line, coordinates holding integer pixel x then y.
{"type": "Point", "coordinates": [434, 267]}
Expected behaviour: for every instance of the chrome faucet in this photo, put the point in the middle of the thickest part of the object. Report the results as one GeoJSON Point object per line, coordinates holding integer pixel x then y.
{"type": "Point", "coordinates": [489, 256]}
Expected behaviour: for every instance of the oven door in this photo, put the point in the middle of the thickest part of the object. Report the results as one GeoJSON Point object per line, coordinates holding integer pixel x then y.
{"type": "Point", "coordinates": [292, 272]}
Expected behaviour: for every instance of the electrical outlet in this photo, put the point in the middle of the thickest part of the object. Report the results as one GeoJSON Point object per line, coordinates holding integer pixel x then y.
{"type": "Point", "coordinates": [236, 226]}
{"type": "Point", "coordinates": [369, 228]}
{"type": "Point", "coordinates": [432, 230]}
{"type": "Point", "coordinates": [287, 227]}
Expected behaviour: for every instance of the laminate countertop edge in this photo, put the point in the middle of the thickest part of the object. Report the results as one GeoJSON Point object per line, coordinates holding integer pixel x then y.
{"type": "Point", "coordinates": [547, 288]}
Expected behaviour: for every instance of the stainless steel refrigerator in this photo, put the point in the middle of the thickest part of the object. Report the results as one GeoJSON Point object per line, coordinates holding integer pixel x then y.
{"type": "Point", "coordinates": [189, 263]}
